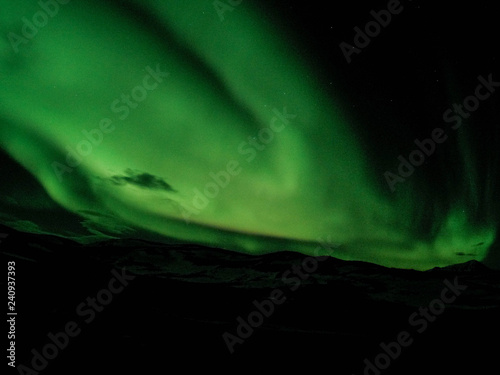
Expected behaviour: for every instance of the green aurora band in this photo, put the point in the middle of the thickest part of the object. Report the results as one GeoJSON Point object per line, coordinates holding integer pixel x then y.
{"type": "Point", "coordinates": [227, 80]}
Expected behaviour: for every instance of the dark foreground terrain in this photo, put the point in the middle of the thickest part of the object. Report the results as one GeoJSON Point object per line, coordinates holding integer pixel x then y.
{"type": "Point", "coordinates": [139, 307]}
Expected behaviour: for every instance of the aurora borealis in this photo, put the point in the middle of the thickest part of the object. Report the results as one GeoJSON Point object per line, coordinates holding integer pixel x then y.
{"type": "Point", "coordinates": [160, 120]}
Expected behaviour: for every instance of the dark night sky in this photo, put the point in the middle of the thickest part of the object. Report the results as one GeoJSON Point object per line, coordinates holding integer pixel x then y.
{"type": "Point", "coordinates": [396, 90]}
{"type": "Point", "coordinates": [322, 179]}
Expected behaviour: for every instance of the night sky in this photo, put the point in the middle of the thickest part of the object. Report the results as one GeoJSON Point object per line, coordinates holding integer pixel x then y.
{"type": "Point", "coordinates": [246, 128]}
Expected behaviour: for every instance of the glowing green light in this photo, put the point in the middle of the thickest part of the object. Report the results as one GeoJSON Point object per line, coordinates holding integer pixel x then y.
{"type": "Point", "coordinates": [88, 69]}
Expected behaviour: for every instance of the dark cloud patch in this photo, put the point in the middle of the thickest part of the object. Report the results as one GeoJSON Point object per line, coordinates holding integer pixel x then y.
{"type": "Point", "coordinates": [141, 179]}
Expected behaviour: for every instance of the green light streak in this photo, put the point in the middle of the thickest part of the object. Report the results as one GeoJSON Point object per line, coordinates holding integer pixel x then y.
{"type": "Point", "coordinates": [226, 78]}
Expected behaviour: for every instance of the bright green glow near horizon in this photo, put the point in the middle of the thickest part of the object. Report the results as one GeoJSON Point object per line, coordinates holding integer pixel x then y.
{"type": "Point", "coordinates": [227, 81]}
